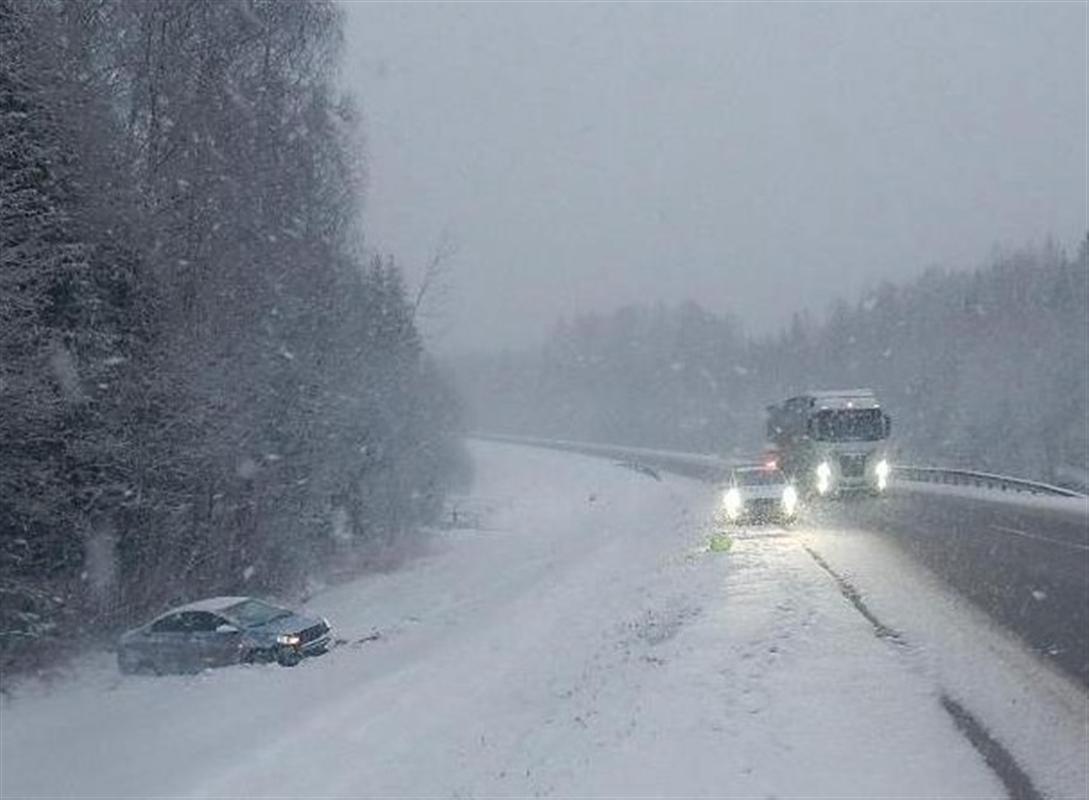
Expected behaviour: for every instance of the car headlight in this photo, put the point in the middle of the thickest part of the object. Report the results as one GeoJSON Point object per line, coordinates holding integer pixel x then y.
{"type": "Point", "coordinates": [732, 502]}
{"type": "Point", "coordinates": [824, 477]}
{"type": "Point", "coordinates": [290, 639]}
{"type": "Point", "coordinates": [790, 500]}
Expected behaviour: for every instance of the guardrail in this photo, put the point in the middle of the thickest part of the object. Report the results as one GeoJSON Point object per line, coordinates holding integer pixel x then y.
{"type": "Point", "coordinates": [984, 480]}
{"type": "Point", "coordinates": [691, 465]}
{"type": "Point", "coordinates": [709, 467]}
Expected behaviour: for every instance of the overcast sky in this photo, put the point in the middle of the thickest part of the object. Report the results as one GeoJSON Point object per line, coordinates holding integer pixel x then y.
{"type": "Point", "coordinates": [754, 158]}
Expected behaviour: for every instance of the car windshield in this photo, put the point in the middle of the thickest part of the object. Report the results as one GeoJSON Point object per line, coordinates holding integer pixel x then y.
{"type": "Point", "coordinates": [758, 477]}
{"type": "Point", "coordinates": [254, 612]}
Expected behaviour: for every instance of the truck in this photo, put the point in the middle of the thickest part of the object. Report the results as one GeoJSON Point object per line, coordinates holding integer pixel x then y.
{"type": "Point", "coordinates": [832, 442]}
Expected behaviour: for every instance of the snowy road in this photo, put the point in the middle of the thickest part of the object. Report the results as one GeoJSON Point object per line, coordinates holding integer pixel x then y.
{"type": "Point", "coordinates": [1024, 560]}
{"type": "Point", "coordinates": [575, 636]}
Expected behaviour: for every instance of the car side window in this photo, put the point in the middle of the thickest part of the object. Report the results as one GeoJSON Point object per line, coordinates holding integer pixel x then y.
{"type": "Point", "coordinates": [171, 624]}
{"type": "Point", "coordinates": [200, 621]}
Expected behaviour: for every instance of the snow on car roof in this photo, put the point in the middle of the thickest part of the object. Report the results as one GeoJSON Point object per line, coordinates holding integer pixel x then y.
{"type": "Point", "coordinates": [210, 604]}
{"type": "Point", "coordinates": [844, 398]}
{"type": "Point", "coordinates": [821, 393]}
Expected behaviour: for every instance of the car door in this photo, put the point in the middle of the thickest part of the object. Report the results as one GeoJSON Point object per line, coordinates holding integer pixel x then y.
{"type": "Point", "coordinates": [201, 640]}
{"type": "Point", "coordinates": [165, 644]}
{"type": "Point", "coordinates": [220, 640]}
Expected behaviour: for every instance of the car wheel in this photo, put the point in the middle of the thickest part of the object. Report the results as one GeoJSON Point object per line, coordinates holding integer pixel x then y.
{"type": "Point", "coordinates": [288, 658]}
{"type": "Point", "coordinates": [142, 667]}
{"type": "Point", "coordinates": [125, 666]}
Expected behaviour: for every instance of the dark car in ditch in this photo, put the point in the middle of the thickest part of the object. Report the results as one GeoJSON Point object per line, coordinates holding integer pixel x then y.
{"type": "Point", "coordinates": [220, 631]}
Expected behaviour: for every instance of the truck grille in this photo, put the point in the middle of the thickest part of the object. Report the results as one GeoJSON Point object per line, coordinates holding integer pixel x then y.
{"type": "Point", "coordinates": [852, 466]}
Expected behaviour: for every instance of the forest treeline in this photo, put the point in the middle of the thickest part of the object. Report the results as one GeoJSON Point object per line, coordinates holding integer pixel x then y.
{"type": "Point", "coordinates": [984, 369]}
{"type": "Point", "coordinates": [206, 384]}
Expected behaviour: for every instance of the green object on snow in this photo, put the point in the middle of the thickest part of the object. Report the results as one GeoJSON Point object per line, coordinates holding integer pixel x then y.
{"type": "Point", "coordinates": [720, 543]}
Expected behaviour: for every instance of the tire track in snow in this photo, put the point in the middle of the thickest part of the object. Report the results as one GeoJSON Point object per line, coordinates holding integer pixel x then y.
{"type": "Point", "coordinates": [1018, 784]}
{"type": "Point", "coordinates": [854, 596]}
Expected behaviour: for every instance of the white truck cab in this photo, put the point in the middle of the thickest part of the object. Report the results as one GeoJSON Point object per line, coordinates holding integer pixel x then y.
{"type": "Point", "coordinates": [832, 441]}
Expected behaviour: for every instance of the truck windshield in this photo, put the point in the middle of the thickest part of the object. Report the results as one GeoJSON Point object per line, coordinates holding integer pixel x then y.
{"type": "Point", "coordinates": [850, 425]}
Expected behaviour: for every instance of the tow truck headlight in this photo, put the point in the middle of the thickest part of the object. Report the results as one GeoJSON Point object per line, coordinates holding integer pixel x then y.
{"type": "Point", "coordinates": [790, 501]}
{"type": "Point", "coordinates": [731, 502]}
{"type": "Point", "coordinates": [882, 473]}
{"type": "Point", "coordinates": [824, 477]}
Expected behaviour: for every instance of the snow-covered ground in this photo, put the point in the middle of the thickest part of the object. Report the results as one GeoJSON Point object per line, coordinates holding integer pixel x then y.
{"type": "Point", "coordinates": [1039, 714]}
{"type": "Point", "coordinates": [576, 637]}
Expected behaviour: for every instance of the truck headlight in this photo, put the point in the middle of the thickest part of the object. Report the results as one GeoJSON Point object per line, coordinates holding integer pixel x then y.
{"type": "Point", "coordinates": [824, 477]}
{"type": "Point", "coordinates": [790, 501]}
{"type": "Point", "coordinates": [882, 472]}
{"type": "Point", "coordinates": [732, 503]}
{"type": "Point", "coordinates": [289, 639]}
